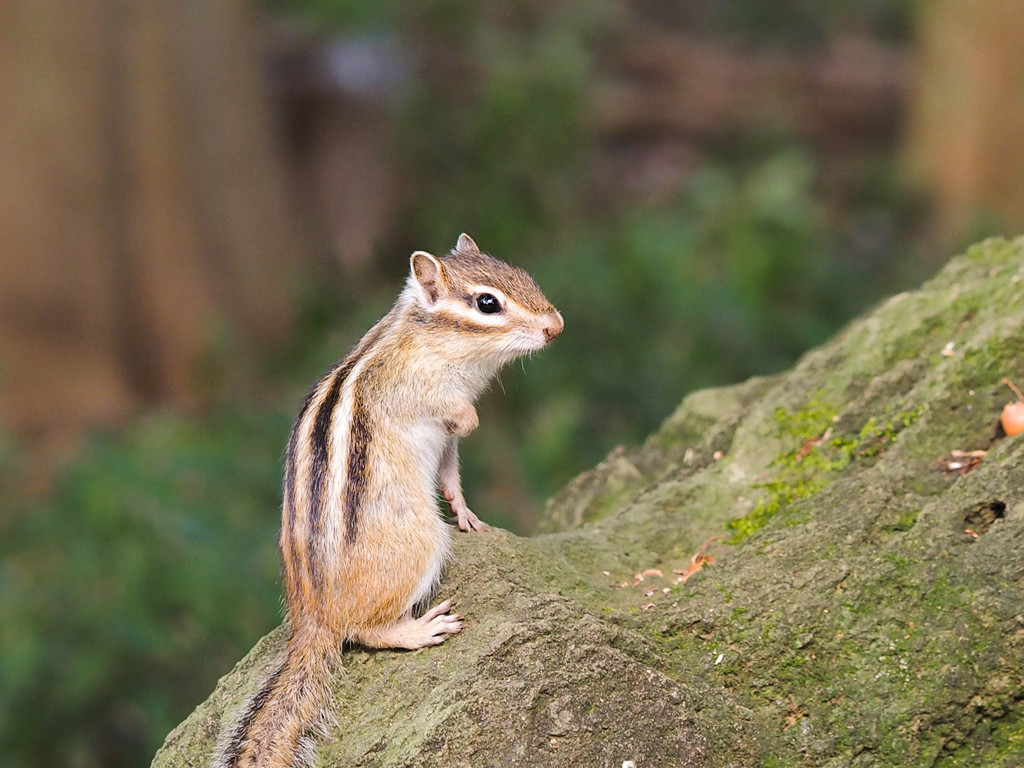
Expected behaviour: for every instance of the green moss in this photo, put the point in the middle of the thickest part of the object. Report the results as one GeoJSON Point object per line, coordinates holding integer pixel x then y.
{"type": "Point", "coordinates": [996, 743]}
{"type": "Point", "coordinates": [875, 434]}
{"type": "Point", "coordinates": [987, 365]}
{"type": "Point", "coordinates": [841, 674]}
{"type": "Point", "coordinates": [808, 422]}
{"type": "Point", "coordinates": [816, 457]}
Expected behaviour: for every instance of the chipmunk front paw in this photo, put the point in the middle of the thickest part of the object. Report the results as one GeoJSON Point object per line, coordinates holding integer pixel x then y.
{"type": "Point", "coordinates": [463, 422]}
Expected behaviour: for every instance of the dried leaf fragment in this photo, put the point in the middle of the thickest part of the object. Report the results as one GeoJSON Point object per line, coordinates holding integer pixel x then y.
{"type": "Point", "coordinates": [961, 462]}
{"type": "Point", "coordinates": [698, 561]}
{"type": "Point", "coordinates": [810, 445]}
{"type": "Point", "coordinates": [639, 577]}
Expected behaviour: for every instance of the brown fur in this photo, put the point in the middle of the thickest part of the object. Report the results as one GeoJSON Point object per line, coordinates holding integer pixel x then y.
{"type": "Point", "coordinates": [472, 267]}
{"type": "Point", "coordinates": [279, 721]}
{"type": "Point", "coordinates": [361, 541]}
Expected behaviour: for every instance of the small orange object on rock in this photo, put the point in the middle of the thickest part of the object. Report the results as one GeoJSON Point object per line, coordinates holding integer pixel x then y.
{"type": "Point", "coordinates": [1013, 414]}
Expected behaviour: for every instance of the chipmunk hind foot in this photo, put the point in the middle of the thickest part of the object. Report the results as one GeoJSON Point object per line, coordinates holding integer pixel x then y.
{"type": "Point", "coordinates": [432, 628]}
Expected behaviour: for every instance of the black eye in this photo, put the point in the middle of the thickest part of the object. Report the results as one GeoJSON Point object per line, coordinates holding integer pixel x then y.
{"type": "Point", "coordinates": [488, 304]}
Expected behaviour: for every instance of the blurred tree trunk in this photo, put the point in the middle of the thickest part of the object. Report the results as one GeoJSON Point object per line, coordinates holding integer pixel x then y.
{"type": "Point", "coordinates": [143, 209]}
{"type": "Point", "coordinates": [966, 139]}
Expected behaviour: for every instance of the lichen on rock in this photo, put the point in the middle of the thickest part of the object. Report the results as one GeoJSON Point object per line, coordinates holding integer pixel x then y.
{"type": "Point", "coordinates": [865, 605]}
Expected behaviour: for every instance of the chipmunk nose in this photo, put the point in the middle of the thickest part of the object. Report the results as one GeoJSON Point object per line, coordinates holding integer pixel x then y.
{"type": "Point", "coordinates": [554, 326]}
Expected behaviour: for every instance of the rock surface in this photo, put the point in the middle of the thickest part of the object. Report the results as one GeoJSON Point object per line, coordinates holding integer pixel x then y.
{"type": "Point", "coordinates": [865, 606]}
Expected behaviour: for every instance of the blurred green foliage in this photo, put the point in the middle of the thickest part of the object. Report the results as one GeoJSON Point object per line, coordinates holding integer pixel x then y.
{"type": "Point", "coordinates": [498, 149]}
{"type": "Point", "coordinates": [803, 22]}
{"type": "Point", "coordinates": [135, 585]}
{"type": "Point", "coordinates": [152, 567]}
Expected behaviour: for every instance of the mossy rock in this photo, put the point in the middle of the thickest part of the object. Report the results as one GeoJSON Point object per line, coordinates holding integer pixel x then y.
{"type": "Point", "coordinates": [865, 606]}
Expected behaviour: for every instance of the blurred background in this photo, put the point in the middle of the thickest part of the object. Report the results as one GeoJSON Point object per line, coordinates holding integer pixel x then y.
{"type": "Point", "coordinates": [204, 203]}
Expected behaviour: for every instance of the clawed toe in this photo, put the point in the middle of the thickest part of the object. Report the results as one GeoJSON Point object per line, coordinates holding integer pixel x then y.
{"type": "Point", "coordinates": [438, 624]}
{"type": "Point", "coordinates": [469, 521]}
{"type": "Point", "coordinates": [437, 610]}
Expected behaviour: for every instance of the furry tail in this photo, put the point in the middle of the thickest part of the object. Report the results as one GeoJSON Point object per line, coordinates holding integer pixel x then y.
{"type": "Point", "coordinates": [278, 724]}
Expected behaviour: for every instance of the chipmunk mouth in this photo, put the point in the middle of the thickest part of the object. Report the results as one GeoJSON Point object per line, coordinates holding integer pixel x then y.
{"type": "Point", "coordinates": [524, 343]}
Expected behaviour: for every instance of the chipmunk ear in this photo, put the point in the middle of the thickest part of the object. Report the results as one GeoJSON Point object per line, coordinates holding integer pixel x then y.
{"type": "Point", "coordinates": [426, 271]}
{"type": "Point", "coordinates": [466, 244]}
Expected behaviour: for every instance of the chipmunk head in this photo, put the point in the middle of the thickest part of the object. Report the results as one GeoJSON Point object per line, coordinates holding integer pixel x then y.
{"type": "Point", "coordinates": [496, 309]}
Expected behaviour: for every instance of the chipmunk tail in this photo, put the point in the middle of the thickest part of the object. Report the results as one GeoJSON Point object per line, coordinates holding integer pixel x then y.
{"type": "Point", "coordinates": [280, 724]}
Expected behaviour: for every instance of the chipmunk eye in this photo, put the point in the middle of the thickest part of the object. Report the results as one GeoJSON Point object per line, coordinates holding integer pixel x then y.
{"type": "Point", "coordinates": [488, 304]}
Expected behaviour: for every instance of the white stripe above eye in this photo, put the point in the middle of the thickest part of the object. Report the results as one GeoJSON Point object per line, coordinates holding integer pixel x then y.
{"type": "Point", "coordinates": [471, 313]}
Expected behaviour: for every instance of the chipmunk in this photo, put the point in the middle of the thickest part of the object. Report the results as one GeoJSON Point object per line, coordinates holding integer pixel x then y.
{"type": "Point", "coordinates": [376, 438]}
